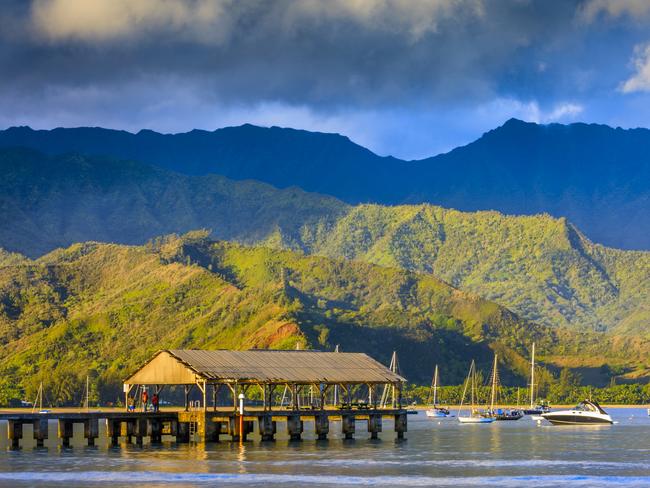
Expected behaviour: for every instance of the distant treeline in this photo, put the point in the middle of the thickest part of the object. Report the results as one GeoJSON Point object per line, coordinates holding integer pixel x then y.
{"type": "Point", "coordinates": [627, 394]}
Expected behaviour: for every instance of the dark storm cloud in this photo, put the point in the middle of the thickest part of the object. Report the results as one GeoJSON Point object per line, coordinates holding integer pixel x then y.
{"type": "Point", "coordinates": [290, 51]}
{"type": "Point", "coordinates": [123, 63]}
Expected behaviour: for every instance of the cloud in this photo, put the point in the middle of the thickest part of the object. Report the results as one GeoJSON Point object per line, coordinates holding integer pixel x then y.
{"type": "Point", "coordinates": [593, 9]}
{"type": "Point", "coordinates": [640, 81]}
{"type": "Point", "coordinates": [100, 20]}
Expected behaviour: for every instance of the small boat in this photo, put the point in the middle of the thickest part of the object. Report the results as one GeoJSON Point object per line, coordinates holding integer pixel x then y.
{"type": "Point", "coordinates": [585, 413]}
{"type": "Point", "coordinates": [476, 416]}
{"type": "Point", "coordinates": [435, 411]}
{"type": "Point", "coordinates": [510, 414]}
{"type": "Point", "coordinates": [499, 413]}
{"type": "Point", "coordinates": [534, 409]}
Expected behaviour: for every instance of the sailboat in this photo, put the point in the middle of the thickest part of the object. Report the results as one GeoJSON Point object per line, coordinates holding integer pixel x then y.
{"type": "Point", "coordinates": [498, 413]}
{"type": "Point", "coordinates": [435, 411]}
{"type": "Point", "coordinates": [475, 416]}
{"type": "Point", "coordinates": [534, 409]}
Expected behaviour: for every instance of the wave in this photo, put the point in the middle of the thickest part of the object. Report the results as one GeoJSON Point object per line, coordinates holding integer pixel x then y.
{"type": "Point", "coordinates": [162, 478]}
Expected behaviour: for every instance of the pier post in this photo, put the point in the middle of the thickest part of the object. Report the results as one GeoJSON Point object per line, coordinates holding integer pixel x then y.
{"type": "Point", "coordinates": [154, 429]}
{"type": "Point", "coordinates": [348, 426]}
{"type": "Point", "coordinates": [212, 429]}
{"type": "Point", "coordinates": [65, 432]}
{"type": "Point", "coordinates": [374, 425]}
{"type": "Point", "coordinates": [113, 431]}
{"type": "Point", "coordinates": [400, 425]}
{"type": "Point", "coordinates": [128, 430]}
{"type": "Point", "coordinates": [294, 427]}
{"type": "Point", "coordinates": [322, 426]}
{"type": "Point", "coordinates": [15, 433]}
{"type": "Point", "coordinates": [40, 431]}
{"type": "Point", "coordinates": [183, 434]}
{"type": "Point", "coordinates": [233, 428]}
{"type": "Point", "coordinates": [91, 430]}
{"type": "Point", "coordinates": [267, 427]}
{"type": "Point", "coordinates": [140, 431]}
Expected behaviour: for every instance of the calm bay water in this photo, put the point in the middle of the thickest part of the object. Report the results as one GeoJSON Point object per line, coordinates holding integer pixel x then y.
{"type": "Point", "coordinates": [436, 453]}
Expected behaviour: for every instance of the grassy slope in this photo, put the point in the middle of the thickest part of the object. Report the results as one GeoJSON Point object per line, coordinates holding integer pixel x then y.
{"type": "Point", "coordinates": [539, 266]}
{"type": "Point", "coordinates": [104, 308]}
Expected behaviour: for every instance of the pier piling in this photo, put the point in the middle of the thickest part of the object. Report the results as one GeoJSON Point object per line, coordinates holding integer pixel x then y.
{"type": "Point", "coordinates": [348, 426]}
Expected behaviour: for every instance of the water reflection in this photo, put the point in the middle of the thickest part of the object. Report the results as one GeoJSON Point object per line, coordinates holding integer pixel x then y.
{"type": "Point", "coordinates": [436, 452]}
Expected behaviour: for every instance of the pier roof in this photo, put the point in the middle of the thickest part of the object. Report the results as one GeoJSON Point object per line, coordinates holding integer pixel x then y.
{"type": "Point", "coordinates": [187, 366]}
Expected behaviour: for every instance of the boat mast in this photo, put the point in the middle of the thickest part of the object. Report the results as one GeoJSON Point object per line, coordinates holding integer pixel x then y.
{"type": "Point", "coordinates": [87, 401]}
{"type": "Point", "coordinates": [494, 384]}
{"type": "Point", "coordinates": [532, 378]}
{"type": "Point", "coordinates": [435, 386]}
{"type": "Point", "coordinates": [462, 398]}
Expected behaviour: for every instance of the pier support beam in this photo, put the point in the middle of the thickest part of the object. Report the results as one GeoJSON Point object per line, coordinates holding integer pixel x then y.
{"type": "Point", "coordinates": [154, 429]}
{"type": "Point", "coordinates": [267, 427]}
{"type": "Point", "coordinates": [140, 431]}
{"type": "Point", "coordinates": [15, 433]}
{"type": "Point", "coordinates": [294, 427]}
{"type": "Point", "coordinates": [348, 426]}
{"type": "Point", "coordinates": [183, 433]}
{"type": "Point", "coordinates": [400, 425]}
{"type": "Point", "coordinates": [40, 431]}
{"type": "Point", "coordinates": [65, 432]}
{"type": "Point", "coordinates": [321, 426]}
{"type": "Point", "coordinates": [91, 430]}
{"type": "Point", "coordinates": [374, 425]}
{"type": "Point", "coordinates": [113, 431]}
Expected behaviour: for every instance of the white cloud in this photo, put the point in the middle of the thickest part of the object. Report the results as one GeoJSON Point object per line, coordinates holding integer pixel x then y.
{"type": "Point", "coordinates": [211, 20]}
{"type": "Point", "coordinates": [531, 111]}
{"type": "Point", "coordinates": [640, 81]}
{"type": "Point", "coordinates": [414, 17]}
{"type": "Point", "coordinates": [110, 19]}
{"type": "Point", "coordinates": [614, 8]}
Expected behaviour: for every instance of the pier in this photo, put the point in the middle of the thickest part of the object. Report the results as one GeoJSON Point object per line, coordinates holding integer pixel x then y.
{"type": "Point", "coordinates": [318, 388]}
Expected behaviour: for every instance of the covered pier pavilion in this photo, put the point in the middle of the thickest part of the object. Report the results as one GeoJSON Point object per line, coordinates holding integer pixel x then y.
{"type": "Point", "coordinates": [315, 385]}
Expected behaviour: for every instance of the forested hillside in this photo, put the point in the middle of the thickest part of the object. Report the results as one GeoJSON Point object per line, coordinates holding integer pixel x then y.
{"type": "Point", "coordinates": [102, 309]}
{"type": "Point", "coordinates": [542, 268]}
{"type": "Point", "coordinates": [594, 175]}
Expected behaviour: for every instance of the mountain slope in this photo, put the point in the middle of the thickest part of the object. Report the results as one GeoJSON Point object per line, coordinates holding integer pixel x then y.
{"type": "Point", "coordinates": [596, 176]}
{"type": "Point", "coordinates": [48, 202]}
{"type": "Point", "coordinates": [540, 267]}
{"type": "Point", "coordinates": [102, 309]}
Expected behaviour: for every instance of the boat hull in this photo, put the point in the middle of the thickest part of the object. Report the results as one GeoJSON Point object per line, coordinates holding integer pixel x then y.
{"type": "Point", "coordinates": [475, 420]}
{"type": "Point", "coordinates": [577, 418]}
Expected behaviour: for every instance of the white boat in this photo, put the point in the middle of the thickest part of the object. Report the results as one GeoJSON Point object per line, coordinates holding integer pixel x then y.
{"type": "Point", "coordinates": [585, 413]}
{"type": "Point", "coordinates": [475, 416]}
{"type": "Point", "coordinates": [435, 411]}
{"type": "Point", "coordinates": [534, 409]}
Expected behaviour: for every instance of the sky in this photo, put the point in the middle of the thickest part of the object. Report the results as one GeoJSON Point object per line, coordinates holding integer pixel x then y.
{"type": "Point", "coordinates": [409, 78]}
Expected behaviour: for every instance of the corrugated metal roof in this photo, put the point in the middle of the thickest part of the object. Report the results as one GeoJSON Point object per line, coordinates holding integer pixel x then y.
{"type": "Point", "coordinates": [268, 366]}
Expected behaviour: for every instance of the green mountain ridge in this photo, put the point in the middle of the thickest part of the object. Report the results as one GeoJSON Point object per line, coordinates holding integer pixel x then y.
{"type": "Point", "coordinates": [540, 267]}
{"type": "Point", "coordinates": [102, 309]}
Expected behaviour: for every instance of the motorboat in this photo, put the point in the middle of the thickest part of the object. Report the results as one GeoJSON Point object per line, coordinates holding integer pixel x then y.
{"type": "Point", "coordinates": [585, 413]}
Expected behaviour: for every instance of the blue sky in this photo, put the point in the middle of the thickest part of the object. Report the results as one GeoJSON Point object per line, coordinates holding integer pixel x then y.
{"type": "Point", "coordinates": [403, 77]}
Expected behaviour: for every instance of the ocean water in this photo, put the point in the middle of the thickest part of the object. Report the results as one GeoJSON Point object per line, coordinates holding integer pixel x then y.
{"type": "Point", "coordinates": [437, 452]}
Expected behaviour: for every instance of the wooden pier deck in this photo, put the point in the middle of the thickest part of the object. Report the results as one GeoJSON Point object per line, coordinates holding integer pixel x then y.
{"type": "Point", "coordinates": [212, 425]}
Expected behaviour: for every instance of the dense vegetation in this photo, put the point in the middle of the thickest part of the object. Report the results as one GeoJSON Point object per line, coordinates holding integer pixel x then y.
{"type": "Point", "coordinates": [102, 309]}
{"type": "Point", "coordinates": [560, 389]}
{"type": "Point", "coordinates": [540, 267]}
{"type": "Point", "coordinates": [594, 175]}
